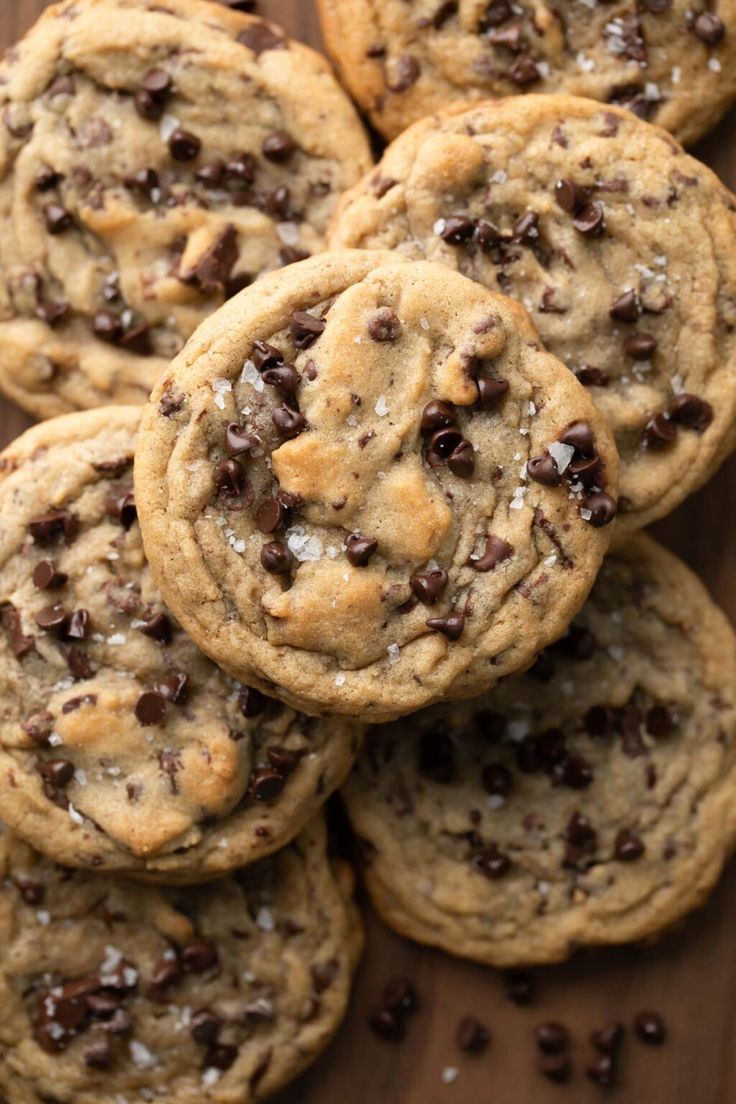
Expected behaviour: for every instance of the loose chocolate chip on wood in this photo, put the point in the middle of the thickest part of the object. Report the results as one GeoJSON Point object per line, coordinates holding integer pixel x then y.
{"type": "Point", "coordinates": [472, 1036]}
{"type": "Point", "coordinates": [555, 1067]}
{"type": "Point", "coordinates": [387, 1024]}
{"type": "Point", "coordinates": [428, 586]}
{"type": "Point", "coordinates": [276, 558]}
{"type": "Point", "coordinates": [709, 28]}
{"type": "Point", "coordinates": [451, 626]}
{"type": "Point", "coordinates": [608, 1039]}
{"type": "Point", "coordinates": [278, 147]}
{"type": "Point", "coordinates": [628, 847]}
{"type": "Point", "coordinates": [542, 469]}
{"type": "Point", "coordinates": [305, 329]}
{"type": "Point", "coordinates": [552, 1037]}
{"type": "Point", "coordinates": [626, 308]}
{"type": "Point", "coordinates": [496, 552]}
{"type": "Point", "coordinates": [289, 423]}
{"type": "Point", "coordinates": [150, 709]}
{"type": "Point", "coordinates": [602, 1071]}
{"type": "Point", "coordinates": [650, 1028]}
{"type": "Point", "coordinates": [360, 549]}
{"type": "Point", "coordinates": [183, 145]}
{"type": "Point", "coordinates": [57, 218]}
{"type": "Point", "coordinates": [691, 412]}
{"type": "Point", "coordinates": [384, 325]}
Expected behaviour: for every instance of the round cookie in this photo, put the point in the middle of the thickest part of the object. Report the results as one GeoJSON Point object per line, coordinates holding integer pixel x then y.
{"type": "Point", "coordinates": [154, 159]}
{"type": "Point", "coordinates": [668, 61]}
{"type": "Point", "coordinates": [591, 800]}
{"type": "Point", "coordinates": [221, 994]}
{"type": "Point", "coordinates": [122, 748]}
{"type": "Point", "coordinates": [365, 486]}
{"type": "Point", "coordinates": [620, 245]}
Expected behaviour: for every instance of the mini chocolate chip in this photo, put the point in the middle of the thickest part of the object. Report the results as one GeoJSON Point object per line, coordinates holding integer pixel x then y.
{"type": "Point", "coordinates": [542, 469]}
{"type": "Point", "coordinates": [602, 509]}
{"type": "Point", "coordinates": [628, 847]}
{"type": "Point", "coordinates": [284, 378]}
{"type": "Point", "coordinates": [261, 37]}
{"type": "Point", "coordinates": [212, 271]}
{"type": "Point", "coordinates": [709, 28]}
{"type": "Point", "coordinates": [650, 1028]}
{"type": "Point", "coordinates": [640, 346]}
{"type": "Point", "coordinates": [428, 586]}
{"type": "Point", "coordinates": [39, 727]}
{"type": "Point", "coordinates": [79, 664]}
{"type": "Point", "coordinates": [590, 219]}
{"type": "Point", "coordinates": [150, 709]}
{"type": "Point", "coordinates": [497, 12]}
{"type": "Point", "coordinates": [57, 218]}
{"type": "Point", "coordinates": [555, 1067]}
{"type": "Point", "coordinates": [184, 145]}
{"type": "Point", "coordinates": [691, 412]}
{"type": "Point", "coordinates": [451, 626]}
{"type": "Point", "coordinates": [174, 687]}
{"type": "Point", "coordinates": [266, 356]}
{"type": "Point", "coordinates": [46, 577]}
{"type": "Point", "coordinates": [491, 862]}
{"type": "Point", "coordinates": [52, 312]}
{"type": "Point", "coordinates": [497, 551]}
{"type": "Point", "coordinates": [626, 308]}
{"type": "Point", "coordinates": [150, 97]}
{"type": "Point", "coordinates": [524, 70]}
{"type": "Point", "coordinates": [145, 181]}
{"type": "Point", "coordinates": [205, 1026]}
{"type": "Point", "coordinates": [552, 1037]}
{"type": "Point", "coordinates": [98, 1055]}
{"type": "Point", "coordinates": [289, 423]}
{"type": "Point", "coordinates": [407, 73]}
{"type": "Point", "coordinates": [442, 444]}
{"type": "Point", "coordinates": [199, 956]}
{"type": "Point", "coordinates": [602, 1071]}
{"type": "Point", "coordinates": [77, 626]}
{"type": "Point", "coordinates": [252, 702]}
{"type": "Point", "coordinates": [305, 328]}
{"type": "Point", "coordinates": [384, 325]}
{"type": "Point", "coordinates": [278, 146]}
{"type": "Point", "coordinates": [521, 987]}
{"type": "Point", "coordinates": [497, 779]}
{"type": "Point", "coordinates": [276, 558]}
{"type": "Point", "coordinates": [491, 391]}
{"type": "Point", "coordinates": [57, 772]}
{"type": "Point", "coordinates": [579, 832]}
{"type": "Point", "coordinates": [229, 478]}
{"type": "Point", "coordinates": [659, 721]}
{"type": "Point", "coordinates": [608, 1039]}
{"type": "Point", "coordinates": [592, 377]}
{"type": "Point", "coordinates": [266, 784]}
{"type": "Point", "coordinates": [242, 170]}
{"type": "Point", "coordinates": [472, 1036]}
{"type": "Point", "coordinates": [283, 760]}
{"type": "Point", "coordinates": [457, 229]}
{"type": "Point", "coordinates": [587, 472]}
{"type": "Point", "coordinates": [573, 771]}
{"type": "Point", "coordinates": [580, 436]}
{"type": "Point", "coordinates": [400, 996]}
{"type": "Point", "coordinates": [437, 415]}
{"type": "Point", "coordinates": [158, 628]}
{"type": "Point", "coordinates": [239, 440]}
{"type": "Point", "coordinates": [107, 326]}
{"type": "Point", "coordinates": [47, 178]}
{"type": "Point", "coordinates": [387, 1024]}
{"type": "Point", "coordinates": [659, 431]}
{"type": "Point", "coordinates": [570, 196]}
{"type": "Point", "coordinates": [360, 549]}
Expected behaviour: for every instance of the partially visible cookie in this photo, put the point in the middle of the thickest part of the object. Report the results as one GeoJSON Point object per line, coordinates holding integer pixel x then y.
{"type": "Point", "coordinates": [365, 486]}
{"type": "Point", "coordinates": [668, 61]}
{"type": "Point", "coordinates": [620, 245]}
{"type": "Point", "coordinates": [154, 159]}
{"type": "Point", "coordinates": [122, 748]}
{"type": "Point", "coordinates": [590, 801]}
{"type": "Point", "coordinates": [220, 994]}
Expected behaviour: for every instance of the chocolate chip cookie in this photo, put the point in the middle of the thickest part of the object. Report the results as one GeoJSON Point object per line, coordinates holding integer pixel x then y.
{"type": "Point", "coordinates": [670, 61]}
{"type": "Point", "coordinates": [154, 159]}
{"type": "Point", "coordinates": [364, 485]}
{"type": "Point", "coordinates": [122, 748]}
{"type": "Point", "coordinates": [620, 245]}
{"type": "Point", "coordinates": [222, 994]}
{"type": "Point", "coordinates": [591, 800]}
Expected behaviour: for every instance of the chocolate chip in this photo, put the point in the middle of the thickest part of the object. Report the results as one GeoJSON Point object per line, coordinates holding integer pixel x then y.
{"type": "Point", "coordinates": [592, 377]}
{"type": "Point", "coordinates": [497, 12]}
{"type": "Point", "coordinates": [388, 1025]}
{"type": "Point", "coordinates": [149, 99]}
{"type": "Point", "coordinates": [47, 178]}
{"type": "Point", "coordinates": [650, 1028]}
{"type": "Point", "coordinates": [212, 271]}
{"type": "Point", "coordinates": [289, 423]}
{"type": "Point", "coordinates": [221, 1056]}
{"type": "Point", "coordinates": [451, 626]}
{"type": "Point", "coordinates": [691, 412]}
{"type": "Point", "coordinates": [199, 956]}
{"type": "Point", "coordinates": [158, 628]}
{"type": "Point", "coordinates": [436, 757]}
{"type": "Point", "coordinates": [278, 146]}
{"type": "Point", "coordinates": [457, 229]}
{"type": "Point", "coordinates": [626, 308]}
{"type": "Point", "coordinates": [555, 1067]}
{"type": "Point", "coordinates": [241, 169]}
{"type": "Point", "coordinates": [123, 508]}
{"type": "Point", "coordinates": [265, 356]}
{"type": "Point", "coordinates": [239, 440]}
{"type": "Point", "coordinates": [79, 664]}
{"type": "Point", "coordinates": [580, 436]}
{"type": "Point", "coordinates": [580, 643]}
{"type": "Point", "coordinates": [570, 196]}
{"type": "Point", "coordinates": [491, 391]}
{"type": "Point", "coordinates": [491, 862]}
{"type": "Point", "coordinates": [497, 551]}
{"type": "Point", "coordinates": [144, 181]}
{"type": "Point", "coordinates": [77, 625]}
{"type": "Point", "coordinates": [150, 709]}
{"type": "Point", "coordinates": [305, 328]}
{"type": "Point", "coordinates": [98, 1055]}
{"type": "Point", "coordinates": [442, 444]}
{"type": "Point", "coordinates": [602, 1071]}
{"type": "Point", "coordinates": [579, 833]}
{"type": "Point", "coordinates": [659, 721]}
{"type": "Point", "coordinates": [640, 346]}
{"type": "Point", "coordinates": [709, 28]}
{"type": "Point", "coordinates": [521, 987]}
{"type": "Point", "coordinates": [276, 558]}
{"type": "Point", "coordinates": [552, 1037]}
{"type": "Point", "coordinates": [174, 687]}
{"type": "Point", "coordinates": [229, 478]}
{"type": "Point", "coordinates": [601, 508]}
{"type": "Point", "coordinates": [57, 218]}
{"type": "Point", "coordinates": [608, 1039]}
{"type": "Point", "coordinates": [497, 779]}
{"type": "Point", "coordinates": [252, 702]}
{"type": "Point", "coordinates": [52, 313]}
{"type": "Point", "coordinates": [406, 73]}
{"type": "Point", "coordinates": [284, 378]}
{"type": "Point", "coordinates": [524, 70]}
{"type": "Point", "coordinates": [428, 586]}
{"type": "Point", "coordinates": [184, 145]}
{"type": "Point", "coordinates": [659, 431]}
{"type": "Point", "coordinates": [511, 37]}
{"type": "Point", "coordinates": [472, 1037]}
{"type": "Point", "coordinates": [46, 576]}
{"type": "Point", "coordinates": [260, 37]}
{"type": "Point", "coordinates": [526, 228]}
{"type": "Point", "coordinates": [400, 995]}
{"type": "Point", "coordinates": [270, 515]}
{"type": "Point", "coordinates": [360, 549]}
{"type": "Point", "coordinates": [437, 415]}
{"type": "Point", "coordinates": [205, 1026]}
{"type": "Point", "coordinates": [590, 219]}
{"type": "Point", "coordinates": [461, 460]}
{"type": "Point", "coordinates": [542, 469]}
{"type": "Point", "coordinates": [57, 772]}
{"type": "Point", "coordinates": [384, 325]}
{"type": "Point", "coordinates": [266, 784]}
{"type": "Point", "coordinates": [283, 760]}
{"type": "Point", "coordinates": [39, 727]}
{"type": "Point", "coordinates": [52, 619]}
{"type": "Point", "coordinates": [628, 847]}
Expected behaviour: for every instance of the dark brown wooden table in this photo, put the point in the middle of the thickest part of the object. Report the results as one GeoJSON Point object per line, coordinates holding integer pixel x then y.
{"type": "Point", "coordinates": [689, 975]}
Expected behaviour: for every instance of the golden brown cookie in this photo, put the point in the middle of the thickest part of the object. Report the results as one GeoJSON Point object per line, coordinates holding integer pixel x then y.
{"type": "Point", "coordinates": [214, 995]}
{"type": "Point", "coordinates": [621, 247]}
{"type": "Point", "coordinates": [154, 159]}
{"type": "Point", "coordinates": [589, 801]}
{"type": "Point", "coordinates": [365, 486]}
{"type": "Point", "coordinates": [669, 61]}
{"type": "Point", "coordinates": [122, 748]}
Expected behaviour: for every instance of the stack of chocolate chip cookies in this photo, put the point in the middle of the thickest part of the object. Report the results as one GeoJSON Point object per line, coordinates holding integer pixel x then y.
{"type": "Point", "coordinates": [363, 510]}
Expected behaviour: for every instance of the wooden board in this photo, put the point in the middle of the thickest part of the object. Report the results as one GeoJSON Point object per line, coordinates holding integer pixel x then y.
{"type": "Point", "coordinates": [689, 976]}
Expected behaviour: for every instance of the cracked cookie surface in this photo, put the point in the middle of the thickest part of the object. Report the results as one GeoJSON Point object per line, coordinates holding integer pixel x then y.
{"type": "Point", "coordinates": [621, 247]}
{"type": "Point", "coordinates": [365, 484]}
{"type": "Point", "coordinates": [669, 61]}
{"type": "Point", "coordinates": [154, 159]}
{"type": "Point", "coordinates": [122, 748]}
{"type": "Point", "coordinates": [221, 993]}
{"type": "Point", "coordinates": [588, 801]}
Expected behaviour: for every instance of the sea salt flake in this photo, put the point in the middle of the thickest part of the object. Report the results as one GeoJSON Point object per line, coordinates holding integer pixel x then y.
{"type": "Point", "coordinates": [116, 639]}
{"type": "Point", "coordinates": [167, 126]}
{"type": "Point", "coordinates": [251, 375]}
{"type": "Point", "coordinates": [265, 920]}
{"type": "Point", "coordinates": [676, 74]}
{"type": "Point", "coordinates": [288, 232]}
{"type": "Point", "coordinates": [210, 1077]}
{"type": "Point", "coordinates": [381, 407]}
{"type": "Point", "coordinates": [75, 814]}
{"type": "Point", "coordinates": [340, 679]}
{"type": "Point", "coordinates": [55, 739]}
{"type": "Point", "coordinates": [424, 323]}
{"type": "Point", "coordinates": [394, 653]}
{"type": "Point", "coordinates": [495, 801]}
{"type": "Point", "coordinates": [450, 1075]}
{"type": "Point", "coordinates": [439, 226]}
{"type": "Point", "coordinates": [551, 560]}
{"type": "Point", "coordinates": [303, 547]}
{"type": "Point", "coordinates": [714, 65]}
{"type": "Point", "coordinates": [141, 1055]}
{"type": "Point", "coordinates": [586, 515]}
{"type": "Point", "coordinates": [561, 454]}
{"type": "Point", "coordinates": [43, 917]}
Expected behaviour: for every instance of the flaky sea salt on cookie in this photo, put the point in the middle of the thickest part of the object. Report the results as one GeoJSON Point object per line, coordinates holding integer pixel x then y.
{"type": "Point", "coordinates": [365, 486]}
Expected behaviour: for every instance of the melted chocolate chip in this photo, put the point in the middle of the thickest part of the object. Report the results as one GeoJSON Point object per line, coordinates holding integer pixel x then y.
{"type": "Point", "coordinates": [602, 509]}
{"type": "Point", "coordinates": [659, 431]}
{"type": "Point", "coordinates": [173, 687]}
{"type": "Point", "coordinates": [437, 415]}
{"type": "Point", "coordinates": [590, 220]}
{"type": "Point", "coordinates": [229, 478]}
{"type": "Point", "coordinates": [496, 552]}
{"type": "Point", "coordinates": [472, 1036]}
{"type": "Point", "coordinates": [428, 586]}
{"type": "Point", "coordinates": [239, 440]}
{"type": "Point", "coordinates": [457, 229]}
{"type": "Point", "coordinates": [199, 956]}
{"type": "Point", "coordinates": [48, 527]}
{"type": "Point", "coordinates": [20, 645]}
{"type": "Point", "coordinates": [384, 325]}
{"type": "Point", "coordinates": [278, 147]}
{"type": "Point", "coordinates": [252, 702]}
{"type": "Point", "coordinates": [212, 271]}
{"type": "Point", "coordinates": [284, 378]}
{"type": "Point", "coordinates": [650, 1028]}
{"type": "Point", "coordinates": [57, 772]}
{"type": "Point", "coordinates": [305, 328]}
{"type": "Point", "coordinates": [570, 196]}
{"type": "Point", "coordinates": [360, 549]}
{"type": "Point", "coordinates": [407, 72]}
{"type": "Point", "coordinates": [122, 507]}
{"type": "Point", "coordinates": [266, 356]}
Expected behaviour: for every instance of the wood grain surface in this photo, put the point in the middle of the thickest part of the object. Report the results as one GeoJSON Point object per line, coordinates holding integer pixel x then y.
{"type": "Point", "coordinates": [689, 975]}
